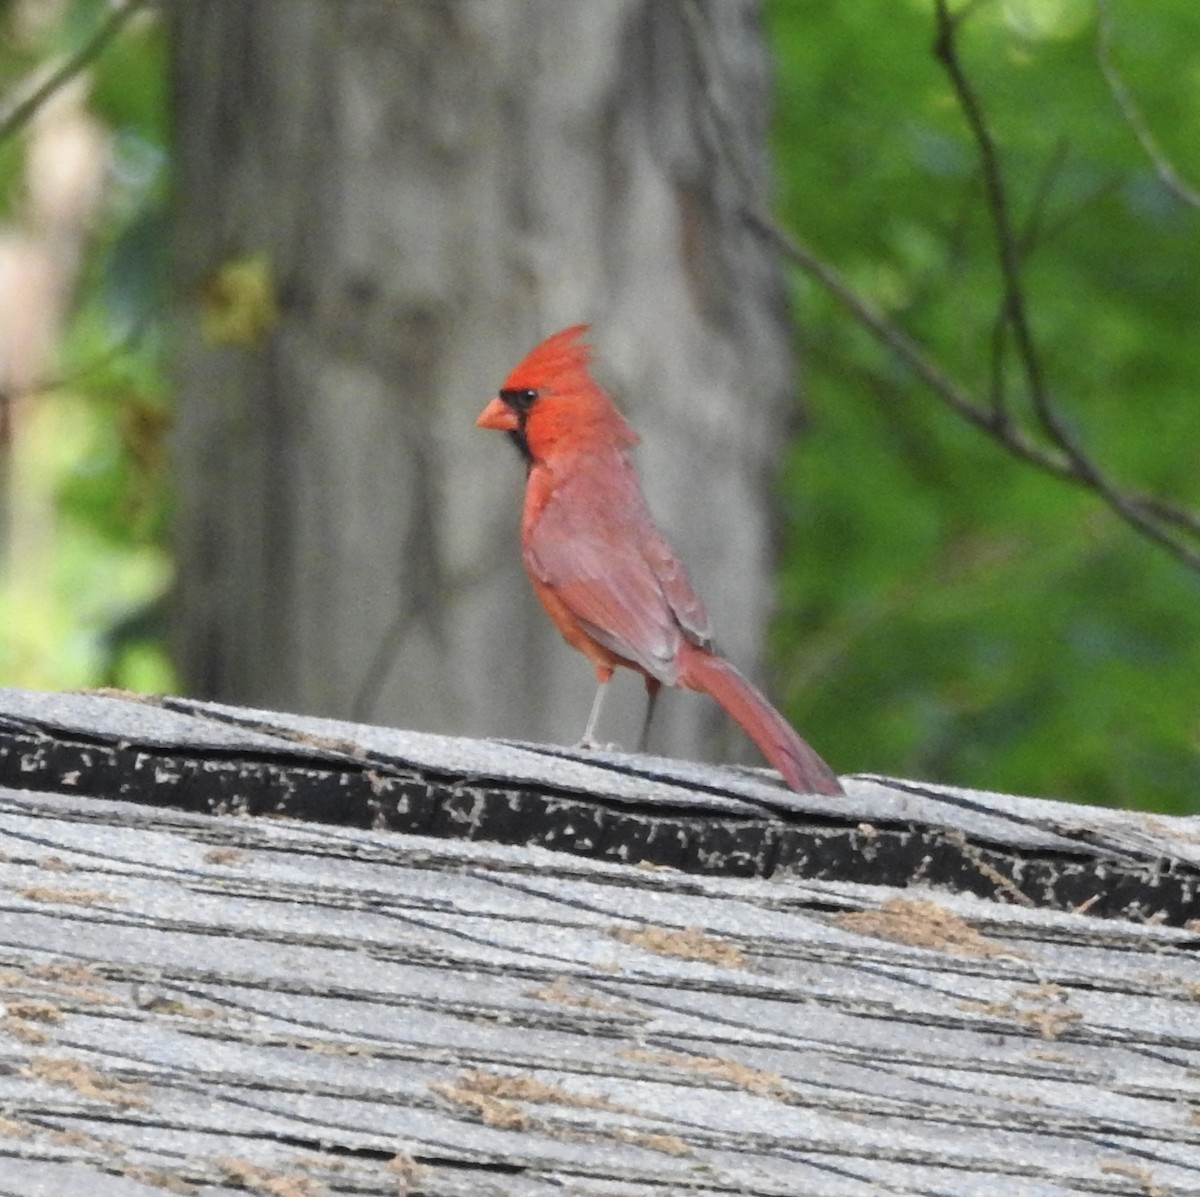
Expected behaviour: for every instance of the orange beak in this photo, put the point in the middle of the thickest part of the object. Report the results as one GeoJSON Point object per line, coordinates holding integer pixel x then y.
{"type": "Point", "coordinates": [497, 415]}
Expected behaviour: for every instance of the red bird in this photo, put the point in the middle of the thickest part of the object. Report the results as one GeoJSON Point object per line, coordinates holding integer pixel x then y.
{"type": "Point", "coordinates": [600, 567]}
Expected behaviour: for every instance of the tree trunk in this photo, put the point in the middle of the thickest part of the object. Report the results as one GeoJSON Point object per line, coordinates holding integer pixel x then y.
{"type": "Point", "coordinates": [437, 184]}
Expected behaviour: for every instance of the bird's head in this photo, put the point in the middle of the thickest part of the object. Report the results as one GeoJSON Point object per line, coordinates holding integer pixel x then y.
{"type": "Point", "coordinates": [550, 403]}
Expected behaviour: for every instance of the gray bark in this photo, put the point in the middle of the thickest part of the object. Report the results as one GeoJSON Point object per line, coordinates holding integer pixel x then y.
{"type": "Point", "coordinates": [438, 184]}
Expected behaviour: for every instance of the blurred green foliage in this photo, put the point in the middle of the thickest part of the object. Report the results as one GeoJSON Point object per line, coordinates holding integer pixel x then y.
{"type": "Point", "coordinates": [81, 592]}
{"type": "Point", "coordinates": [946, 611]}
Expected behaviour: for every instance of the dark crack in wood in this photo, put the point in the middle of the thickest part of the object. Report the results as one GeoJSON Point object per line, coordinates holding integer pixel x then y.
{"type": "Point", "coordinates": [376, 793]}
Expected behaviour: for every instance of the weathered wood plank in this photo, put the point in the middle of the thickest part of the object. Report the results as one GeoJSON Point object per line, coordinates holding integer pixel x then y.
{"type": "Point", "coordinates": [212, 758]}
{"type": "Point", "coordinates": [220, 1003]}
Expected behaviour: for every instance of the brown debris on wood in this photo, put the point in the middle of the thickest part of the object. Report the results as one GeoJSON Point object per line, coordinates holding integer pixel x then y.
{"type": "Point", "coordinates": [921, 924]}
{"type": "Point", "coordinates": [690, 943]}
{"type": "Point", "coordinates": [87, 1081]}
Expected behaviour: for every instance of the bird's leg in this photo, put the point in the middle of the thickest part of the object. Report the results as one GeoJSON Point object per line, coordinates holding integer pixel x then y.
{"type": "Point", "coordinates": [589, 733]}
{"type": "Point", "coordinates": [653, 686]}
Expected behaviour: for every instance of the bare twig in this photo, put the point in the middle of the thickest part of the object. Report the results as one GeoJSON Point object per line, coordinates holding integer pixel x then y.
{"type": "Point", "coordinates": [16, 113]}
{"type": "Point", "coordinates": [906, 350]}
{"type": "Point", "coordinates": [382, 662]}
{"type": "Point", "coordinates": [1133, 118]}
{"type": "Point", "coordinates": [73, 378]}
{"type": "Point", "coordinates": [998, 388]}
{"type": "Point", "coordinates": [1175, 529]}
{"type": "Point", "coordinates": [1069, 214]}
{"type": "Point", "coordinates": [1168, 513]}
{"type": "Point", "coordinates": [1032, 237]}
{"type": "Point", "coordinates": [1082, 468]}
{"type": "Point", "coordinates": [1008, 250]}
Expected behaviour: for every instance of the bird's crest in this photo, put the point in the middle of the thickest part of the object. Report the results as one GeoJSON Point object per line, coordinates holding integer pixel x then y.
{"type": "Point", "coordinates": [557, 370]}
{"type": "Point", "coordinates": [560, 363]}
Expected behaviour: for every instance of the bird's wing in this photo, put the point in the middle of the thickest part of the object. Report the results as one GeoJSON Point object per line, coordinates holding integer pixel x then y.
{"type": "Point", "coordinates": [677, 589]}
{"type": "Point", "coordinates": [595, 546]}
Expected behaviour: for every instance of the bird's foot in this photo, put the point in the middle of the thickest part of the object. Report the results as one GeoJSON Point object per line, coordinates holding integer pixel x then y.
{"type": "Point", "coordinates": [588, 744]}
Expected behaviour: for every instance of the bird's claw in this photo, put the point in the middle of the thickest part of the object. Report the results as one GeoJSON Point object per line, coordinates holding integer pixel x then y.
{"type": "Point", "coordinates": [587, 744]}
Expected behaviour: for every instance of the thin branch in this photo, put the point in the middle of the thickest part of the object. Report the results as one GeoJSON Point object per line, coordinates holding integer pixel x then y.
{"type": "Point", "coordinates": [1167, 513]}
{"type": "Point", "coordinates": [1029, 240]}
{"type": "Point", "coordinates": [382, 662]}
{"type": "Point", "coordinates": [1133, 118]}
{"type": "Point", "coordinates": [998, 388]}
{"type": "Point", "coordinates": [1069, 215]}
{"type": "Point", "coordinates": [1031, 237]}
{"type": "Point", "coordinates": [1150, 515]}
{"type": "Point", "coordinates": [16, 113]}
{"type": "Point", "coordinates": [1083, 468]}
{"type": "Point", "coordinates": [906, 350]}
{"type": "Point", "coordinates": [71, 378]}
{"type": "Point", "coordinates": [945, 49]}
{"type": "Point", "coordinates": [864, 312]}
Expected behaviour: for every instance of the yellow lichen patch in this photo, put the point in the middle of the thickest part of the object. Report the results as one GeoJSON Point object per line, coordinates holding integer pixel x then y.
{"type": "Point", "coordinates": [409, 1171]}
{"type": "Point", "coordinates": [690, 943]}
{"type": "Point", "coordinates": [76, 982]}
{"type": "Point", "coordinates": [670, 1144]}
{"type": "Point", "coordinates": [21, 1016]}
{"type": "Point", "coordinates": [26, 1032]}
{"type": "Point", "coordinates": [67, 897]}
{"type": "Point", "coordinates": [173, 1006]}
{"type": "Point", "coordinates": [159, 1179]}
{"type": "Point", "coordinates": [1047, 1011]}
{"type": "Point", "coordinates": [238, 304]}
{"type": "Point", "coordinates": [1043, 1009]}
{"type": "Point", "coordinates": [491, 1110]}
{"type": "Point", "coordinates": [333, 1047]}
{"type": "Point", "coordinates": [224, 856]}
{"type": "Point", "coordinates": [82, 1142]}
{"type": "Point", "coordinates": [1051, 1057]}
{"type": "Point", "coordinates": [265, 1180]}
{"type": "Point", "coordinates": [493, 1096]}
{"type": "Point", "coordinates": [33, 1010]}
{"type": "Point", "coordinates": [559, 990]}
{"type": "Point", "coordinates": [1138, 1174]}
{"type": "Point", "coordinates": [753, 1080]}
{"type": "Point", "coordinates": [69, 974]}
{"type": "Point", "coordinates": [922, 924]}
{"type": "Point", "coordinates": [66, 974]}
{"type": "Point", "coordinates": [85, 1080]}
{"type": "Point", "coordinates": [523, 1087]}
{"type": "Point", "coordinates": [13, 1128]}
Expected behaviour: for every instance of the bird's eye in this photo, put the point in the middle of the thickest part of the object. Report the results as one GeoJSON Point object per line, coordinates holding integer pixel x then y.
{"type": "Point", "coordinates": [520, 399]}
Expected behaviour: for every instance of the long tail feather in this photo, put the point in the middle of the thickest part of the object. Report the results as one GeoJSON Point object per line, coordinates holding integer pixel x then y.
{"type": "Point", "coordinates": [799, 765]}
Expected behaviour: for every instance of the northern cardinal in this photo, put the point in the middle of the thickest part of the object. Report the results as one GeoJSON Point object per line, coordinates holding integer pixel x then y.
{"type": "Point", "coordinates": [600, 567]}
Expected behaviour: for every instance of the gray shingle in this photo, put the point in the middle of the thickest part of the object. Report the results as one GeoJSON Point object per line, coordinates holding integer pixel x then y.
{"type": "Point", "coordinates": [259, 1003]}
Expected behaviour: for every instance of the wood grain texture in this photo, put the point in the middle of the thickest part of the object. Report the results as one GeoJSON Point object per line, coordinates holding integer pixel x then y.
{"type": "Point", "coordinates": [222, 1003]}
